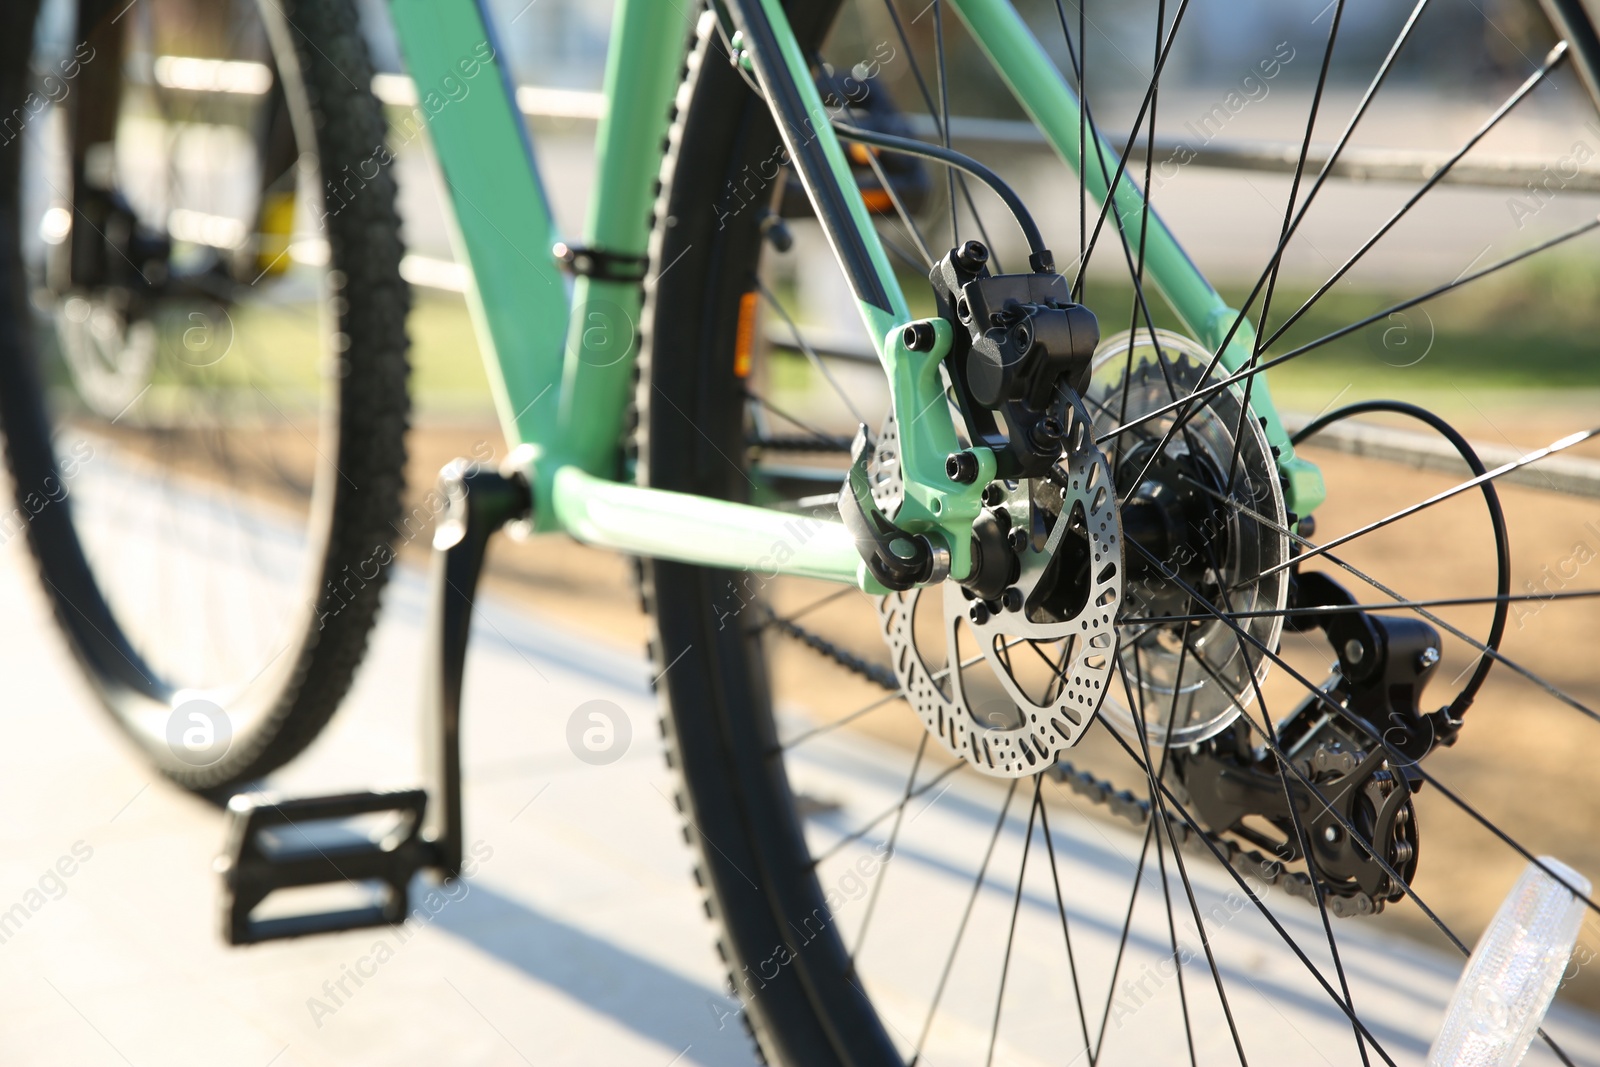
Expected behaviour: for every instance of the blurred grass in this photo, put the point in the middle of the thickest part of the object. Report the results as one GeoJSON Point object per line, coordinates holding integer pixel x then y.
{"type": "Point", "coordinates": [1532, 333]}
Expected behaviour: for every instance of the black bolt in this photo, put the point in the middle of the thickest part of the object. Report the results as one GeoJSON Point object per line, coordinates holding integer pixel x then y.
{"type": "Point", "coordinates": [1011, 599]}
{"type": "Point", "coordinates": [1427, 658]}
{"type": "Point", "coordinates": [979, 613]}
{"type": "Point", "coordinates": [1047, 433]}
{"type": "Point", "coordinates": [1018, 538]}
{"type": "Point", "coordinates": [1022, 337]}
{"type": "Point", "coordinates": [971, 257]}
{"type": "Point", "coordinates": [961, 467]}
{"type": "Point", "coordinates": [994, 494]}
{"type": "Point", "coordinates": [919, 337]}
{"type": "Point", "coordinates": [777, 232]}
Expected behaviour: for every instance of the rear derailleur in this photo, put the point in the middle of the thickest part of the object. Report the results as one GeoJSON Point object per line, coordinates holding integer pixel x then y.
{"type": "Point", "coordinates": [1357, 742]}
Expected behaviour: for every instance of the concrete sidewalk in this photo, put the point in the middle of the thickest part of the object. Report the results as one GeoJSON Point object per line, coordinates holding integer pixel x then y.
{"type": "Point", "coordinates": [580, 939]}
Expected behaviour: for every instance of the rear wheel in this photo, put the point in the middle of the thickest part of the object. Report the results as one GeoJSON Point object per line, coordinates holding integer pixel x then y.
{"type": "Point", "coordinates": [204, 381]}
{"type": "Point", "coordinates": [1006, 928]}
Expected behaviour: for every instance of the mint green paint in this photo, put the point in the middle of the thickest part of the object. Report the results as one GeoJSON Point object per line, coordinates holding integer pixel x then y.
{"type": "Point", "coordinates": [642, 69]}
{"type": "Point", "coordinates": [697, 529]}
{"type": "Point", "coordinates": [501, 225]}
{"type": "Point", "coordinates": [1050, 102]}
{"type": "Point", "coordinates": [927, 436]}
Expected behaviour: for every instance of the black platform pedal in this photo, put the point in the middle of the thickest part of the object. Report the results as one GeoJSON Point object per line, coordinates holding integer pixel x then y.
{"type": "Point", "coordinates": [275, 844]}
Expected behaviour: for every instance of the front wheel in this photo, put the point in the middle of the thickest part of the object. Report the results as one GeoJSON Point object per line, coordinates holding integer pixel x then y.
{"type": "Point", "coordinates": [203, 375]}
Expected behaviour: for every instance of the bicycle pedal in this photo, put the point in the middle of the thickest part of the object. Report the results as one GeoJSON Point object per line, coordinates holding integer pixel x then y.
{"type": "Point", "coordinates": [380, 839]}
{"type": "Point", "coordinates": [364, 840]}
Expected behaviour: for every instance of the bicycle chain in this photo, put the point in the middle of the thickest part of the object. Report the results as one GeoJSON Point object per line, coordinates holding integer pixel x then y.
{"type": "Point", "coordinates": [882, 676]}
{"type": "Point", "coordinates": [1119, 802]}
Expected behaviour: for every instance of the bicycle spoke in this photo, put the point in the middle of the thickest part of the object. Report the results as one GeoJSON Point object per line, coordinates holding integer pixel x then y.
{"type": "Point", "coordinates": [1314, 550]}
{"type": "Point", "coordinates": [894, 835]}
{"type": "Point", "coordinates": [1066, 928]}
{"type": "Point", "coordinates": [1202, 391]}
{"type": "Point", "coordinates": [1349, 609]}
{"type": "Point", "coordinates": [1166, 896]}
{"type": "Point", "coordinates": [1552, 60]}
{"type": "Point", "coordinates": [810, 353]}
{"type": "Point", "coordinates": [856, 835]}
{"type": "Point", "coordinates": [1154, 775]}
{"type": "Point", "coordinates": [961, 928]}
{"type": "Point", "coordinates": [1011, 932]}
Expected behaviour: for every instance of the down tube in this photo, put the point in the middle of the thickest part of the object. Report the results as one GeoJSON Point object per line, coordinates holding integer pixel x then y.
{"type": "Point", "coordinates": [1050, 102]}
{"type": "Point", "coordinates": [500, 221]}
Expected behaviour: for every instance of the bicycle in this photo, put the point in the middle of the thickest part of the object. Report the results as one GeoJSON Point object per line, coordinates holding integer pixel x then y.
{"type": "Point", "coordinates": [1128, 510]}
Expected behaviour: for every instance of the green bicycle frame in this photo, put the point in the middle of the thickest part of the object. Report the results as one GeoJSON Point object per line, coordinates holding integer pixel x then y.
{"type": "Point", "coordinates": [560, 355]}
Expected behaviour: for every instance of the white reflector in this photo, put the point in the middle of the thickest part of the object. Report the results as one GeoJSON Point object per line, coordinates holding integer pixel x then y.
{"type": "Point", "coordinates": [1512, 975]}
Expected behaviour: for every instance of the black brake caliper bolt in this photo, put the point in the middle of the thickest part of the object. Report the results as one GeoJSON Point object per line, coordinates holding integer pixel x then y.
{"type": "Point", "coordinates": [1047, 434]}
{"type": "Point", "coordinates": [994, 494]}
{"type": "Point", "coordinates": [979, 613]}
{"type": "Point", "coordinates": [1018, 538]}
{"type": "Point", "coordinates": [919, 337]}
{"type": "Point", "coordinates": [961, 467]}
{"type": "Point", "coordinates": [971, 257]}
{"type": "Point", "coordinates": [1011, 599]}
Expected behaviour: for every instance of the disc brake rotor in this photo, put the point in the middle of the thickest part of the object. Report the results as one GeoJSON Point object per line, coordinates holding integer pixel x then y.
{"type": "Point", "coordinates": [1018, 679]}
{"type": "Point", "coordinates": [1210, 509]}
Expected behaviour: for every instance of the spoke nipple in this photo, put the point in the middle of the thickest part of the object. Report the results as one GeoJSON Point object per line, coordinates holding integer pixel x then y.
{"type": "Point", "coordinates": [1018, 538]}
{"type": "Point", "coordinates": [979, 613]}
{"type": "Point", "coordinates": [961, 467]}
{"type": "Point", "coordinates": [1354, 651]}
{"type": "Point", "coordinates": [1427, 658]}
{"type": "Point", "coordinates": [919, 337]}
{"type": "Point", "coordinates": [1011, 599]}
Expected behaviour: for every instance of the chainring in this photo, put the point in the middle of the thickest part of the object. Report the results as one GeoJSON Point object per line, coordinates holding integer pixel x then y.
{"type": "Point", "coordinates": [1063, 603]}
